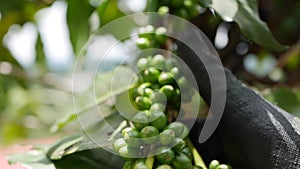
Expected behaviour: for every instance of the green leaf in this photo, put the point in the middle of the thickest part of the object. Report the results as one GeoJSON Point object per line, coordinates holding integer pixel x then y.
{"type": "Point", "coordinates": [245, 14]}
{"type": "Point", "coordinates": [59, 148]}
{"type": "Point", "coordinates": [108, 11]}
{"type": "Point", "coordinates": [35, 158]}
{"type": "Point", "coordinates": [40, 55]}
{"type": "Point", "coordinates": [286, 98]}
{"type": "Point", "coordinates": [77, 143]}
{"type": "Point", "coordinates": [96, 158]}
{"type": "Point", "coordinates": [78, 14]}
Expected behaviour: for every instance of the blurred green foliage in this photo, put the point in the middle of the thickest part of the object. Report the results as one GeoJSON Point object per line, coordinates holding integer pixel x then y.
{"type": "Point", "coordinates": [33, 98]}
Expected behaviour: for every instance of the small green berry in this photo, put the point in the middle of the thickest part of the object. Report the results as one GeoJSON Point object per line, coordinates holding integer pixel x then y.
{"type": "Point", "coordinates": [158, 120]}
{"type": "Point", "coordinates": [164, 166]}
{"type": "Point", "coordinates": [187, 151]}
{"type": "Point", "coordinates": [119, 143]}
{"type": "Point", "coordinates": [183, 83]}
{"type": "Point", "coordinates": [149, 134]}
{"type": "Point", "coordinates": [223, 166]}
{"type": "Point", "coordinates": [165, 155]}
{"type": "Point", "coordinates": [143, 43]}
{"type": "Point", "coordinates": [151, 74]}
{"type": "Point", "coordinates": [147, 92]}
{"type": "Point", "coordinates": [158, 97]}
{"type": "Point", "coordinates": [158, 61]}
{"type": "Point", "coordinates": [140, 120]}
{"type": "Point", "coordinates": [179, 145]}
{"type": "Point", "coordinates": [142, 64]}
{"type": "Point", "coordinates": [180, 129]}
{"type": "Point", "coordinates": [157, 107]}
{"type": "Point", "coordinates": [128, 164]}
{"type": "Point", "coordinates": [165, 78]}
{"type": "Point", "coordinates": [141, 88]}
{"type": "Point", "coordinates": [128, 152]}
{"type": "Point", "coordinates": [175, 72]}
{"type": "Point", "coordinates": [167, 137]}
{"type": "Point", "coordinates": [132, 138]}
{"type": "Point", "coordinates": [163, 10]}
{"type": "Point", "coordinates": [143, 102]}
{"type": "Point", "coordinates": [214, 164]}
{"type": "Point", "coordinates": [146, 32]}
{"type": "Point", "coordinates": [181, 161]}
{"type": "Point", "coordinates": [168, 90]}
{"type": "Point", "coordinates": [161, 35]}
{"type": "Point", "coordinates": [126, 130]}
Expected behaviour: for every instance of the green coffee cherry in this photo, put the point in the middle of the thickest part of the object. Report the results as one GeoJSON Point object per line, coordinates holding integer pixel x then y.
{"type": "Point", "coordinates": [119, 143]}
{"type": "Point", "coordinates": [147, 92]}
{"type": "Point", "coordinates": [151, 74]}
{"type": "Point", "coordinates": [167, 137]}
{"type": "Point", "coordinates": [158, 120]}
{"type": "Point", "coordinates": [180, 129]}
{"type": "Point", "coordinates": [128, 152]}
{"type": "Point", "coordinates": [146, 32]}
{"type": "Point", "coordinates": [158, 97]}
{"type": "Point", "coordinates": [140, 120]}
{"type": "Point", "coordinates": [142, 64]}
{"type": "Point", "coordinates": [181, 161]}
{"type": "Point", "coordinates": [214, 164]}
{"type": "Point", "coordinates": [165, 155]}
{"type": "Point", "coordinates": [143, 102]}
{"type": "Point", "coordinates": [125, 130]}
{"type": "Point", "coordinates": [141, 88]}
{"type": "Point", "coordinates": [161, 35]}
{"type": "Point", "coordinates": [168, 90]}
{"type": "Point", "coordinates": [129, 164]}
{"type": "Point", "coordinates": [192, 7]}
{"type": "Point", "coordinates": [165, 78]}
{"type": "Point", "coordinates": [140, 164]}
{"type": "Point", "coordinates": [158, 61]}
{"type": "Point", "coordinates": [223, 166]}
{"type": "Point", "coordinates": [175, 72]}
{"type": "Point", "coordinates": [132, 138]}
{"type": "Point", "coordinates": [176, 100]}
{"type": "Point", "coordinates": [143, 43]}
{"type": "Point", "coordinates": [164, 166]}
{"type": "Point", "coordinates": [163, 10]}
{"type": "Point", "coordinates": [179, 145]}
{"type": "Point", "coordinates": [157, 107]}
{"type": "Point", "coordinates": [183, 83]}
{"type": "Point", "coordinates": [149, 133]}
{"type": "Point", "coordinates": [188, 152]}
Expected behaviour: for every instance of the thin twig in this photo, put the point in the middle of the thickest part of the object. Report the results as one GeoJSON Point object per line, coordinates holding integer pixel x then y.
{"type": "Point", "coordinates": [293, 50]}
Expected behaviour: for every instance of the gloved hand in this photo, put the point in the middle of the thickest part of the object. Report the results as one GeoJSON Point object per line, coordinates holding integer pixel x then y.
{"type": "Point", "coordinates": [252, 133]}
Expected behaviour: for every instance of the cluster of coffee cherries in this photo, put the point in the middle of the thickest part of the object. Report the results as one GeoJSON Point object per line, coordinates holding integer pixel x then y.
{"type": "Point", "coordinates": [153, 132]}
{"type": "Point", "coordinates": [214, 164]}
{"type": "Point", "coordinates": [186, 9]}
{"type": "Point", "coordinates": [150, 37]}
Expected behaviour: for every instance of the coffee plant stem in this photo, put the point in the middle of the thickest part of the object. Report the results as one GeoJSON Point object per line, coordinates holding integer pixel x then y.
{"type": "Point", "coordinates": [196, 156]}
{"type": "Point", "coordinates": [150, 162]}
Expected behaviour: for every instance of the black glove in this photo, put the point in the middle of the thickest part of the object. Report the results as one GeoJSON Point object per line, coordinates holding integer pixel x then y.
{"type": "Point", "coordinates": [252, 133]}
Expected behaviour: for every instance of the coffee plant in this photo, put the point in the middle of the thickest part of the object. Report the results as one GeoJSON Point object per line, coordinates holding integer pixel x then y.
{"type": "Point", "coordinates": [153, 135]}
